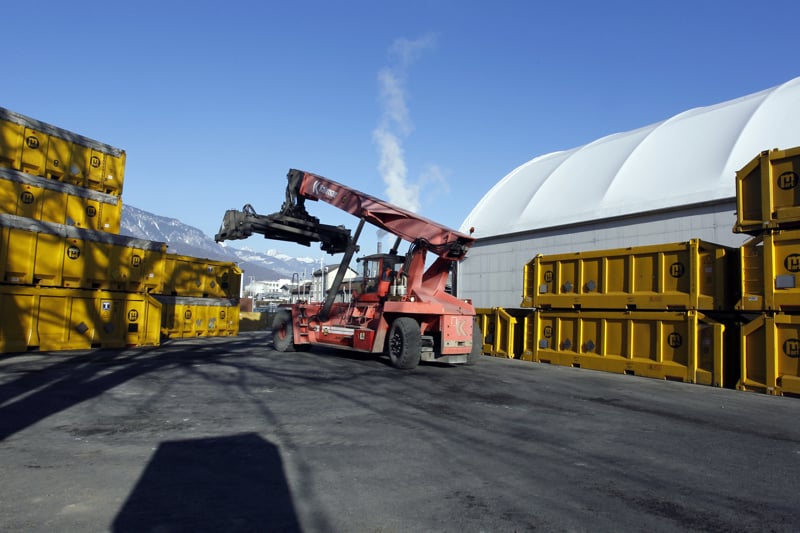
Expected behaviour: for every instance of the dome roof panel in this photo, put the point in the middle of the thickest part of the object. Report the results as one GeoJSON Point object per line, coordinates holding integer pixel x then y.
{"type": "Point", "coordinates": [690, 158]}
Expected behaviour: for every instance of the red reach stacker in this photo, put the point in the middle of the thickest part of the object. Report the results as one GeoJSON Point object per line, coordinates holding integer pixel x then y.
{"type": "Point", "coordinates": [399, 308]}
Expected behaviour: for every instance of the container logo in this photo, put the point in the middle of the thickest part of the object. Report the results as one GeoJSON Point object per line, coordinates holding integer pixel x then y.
{"type": "Point", "coordinates": [677, 270]}
{"type": "Point", "coordinates": [136, 261]}
{"type": "Point", "coordinates": [791, 348]}
{"type": "Point", "coordinates": [27, 197]}
{"type": "Point", "coordinates": [187, 314]}
{"type": "Point", "coordinates": [548, 332]}
{"type": "Point", "coordinates": [787, 180]}
{"type": "Point", "coordinates": [106, 306]}
{"type": "Point", "coordinates": [792, 262]}
{"type": "Point", "coordinates": [91, 211]}
{"type": "Point", "coordinates": [32, 142]}
{"type": "Point", "coordinates": [548, 276]}
{"type": "Point", "coordinates": [133, 315]}
{"type": "Point", "coordinates": [73, 252]}
{"type": "Point", "coordinates": [674, 340]}
{"type": "Point", "coordinates": [222, 314]}
{"type": "Point", "coordinates": [95, 161]}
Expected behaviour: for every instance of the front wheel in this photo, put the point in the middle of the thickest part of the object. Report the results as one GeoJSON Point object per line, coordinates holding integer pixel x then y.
{"type": "Point", "coordinates": [405, 343]}
{"type": "Point", "coordinates": [282, 332]}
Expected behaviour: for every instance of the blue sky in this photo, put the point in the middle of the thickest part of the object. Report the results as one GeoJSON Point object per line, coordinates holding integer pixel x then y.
{"type": "Point", "coordinates": [214, 101]}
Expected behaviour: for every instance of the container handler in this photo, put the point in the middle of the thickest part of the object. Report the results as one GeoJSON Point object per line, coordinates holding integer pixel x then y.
{"type": "Point", "coordinates": [400, 308]}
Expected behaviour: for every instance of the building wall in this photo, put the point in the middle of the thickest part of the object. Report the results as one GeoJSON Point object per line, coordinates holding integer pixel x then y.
{"type": "Point", "coordinates": [491, 275]}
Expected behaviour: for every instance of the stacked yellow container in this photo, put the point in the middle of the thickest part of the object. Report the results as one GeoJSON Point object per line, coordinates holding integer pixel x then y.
{"type": "Point", "coordinates": [68, 280]}
{"type": "Point", "coordinates": [640, 310]}
{"type": "Point", "coordinates": [768, 208]}
{"type": "Point", "coordinates": [200, 297]}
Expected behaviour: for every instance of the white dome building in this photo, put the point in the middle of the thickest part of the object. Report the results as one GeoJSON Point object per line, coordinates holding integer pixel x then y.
{"type": "Point", "coordinates": [667, 182]}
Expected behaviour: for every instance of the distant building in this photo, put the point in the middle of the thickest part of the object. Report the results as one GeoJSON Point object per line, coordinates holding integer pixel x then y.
{"type": "Point", "coordinates": [268, 291]}
{"type": "Point", "coordinates": [322, 281]}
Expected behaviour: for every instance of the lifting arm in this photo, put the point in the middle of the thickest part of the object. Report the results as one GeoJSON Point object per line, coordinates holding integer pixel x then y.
{"type": "Point", "coordinates": [439, 239]}
{"type": "Point", "coordinates": [294, 224]}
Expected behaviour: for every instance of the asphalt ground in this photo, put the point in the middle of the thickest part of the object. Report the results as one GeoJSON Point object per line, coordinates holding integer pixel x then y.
{"type": "Point", "coordinates": [224, 434]}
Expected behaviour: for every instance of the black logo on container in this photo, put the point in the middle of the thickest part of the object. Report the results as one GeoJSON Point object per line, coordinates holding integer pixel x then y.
{"type": "Point", "coordinates": [32, 142]}
{"type": "Point", "coordinates": [187, 314]}
{"type": "Point", "coordinates": [222, 314]}
{"type": "Point", "coordinates": [27, 197]}
{"type": "Point", "coordinates": [548, 332]}
{"type": "Point", "coordinates": [136, 261]}
{"type": "Point", "coordinates": [133, 315]}
{"type": "Point", "coordinates": [674, 340]}
{"type": "Point", "coordinates": [91, 211]}
{"type": "Point", "coordinates": [548, 276]}
{"type": "Point", "coordinates": [787, 180]}
{"type": "Point", "coordinates": [677, 270]}
{"type": "Point", "coordinates": [94, 161]}
{"type": "Point", "coordinates": [73, 252]}
{"type": "Point", "coordinates": [792, 262]}
{"type": "Point", "coordinates": [791, 347]}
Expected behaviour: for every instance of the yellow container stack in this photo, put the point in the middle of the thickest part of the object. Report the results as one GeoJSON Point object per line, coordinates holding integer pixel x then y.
{"type": "Point", "coordinates": [768, 208]}
{"type": "Point", "coordinates": [68, 279]}
{"type": "Point", "coordinates": [638, 310]}
{"type": "Point", "coordinates": [693, 311]}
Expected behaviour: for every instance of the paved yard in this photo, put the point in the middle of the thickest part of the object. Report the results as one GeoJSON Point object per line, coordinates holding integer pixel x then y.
{"type": "Point", "coordinates": [225, 434]}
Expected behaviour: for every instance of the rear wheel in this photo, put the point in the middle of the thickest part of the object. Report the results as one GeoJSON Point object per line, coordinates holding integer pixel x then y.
{"type": "Point", "coordinates": [405, 343]}
{"type": "Point", "coordinates": [282, 332]}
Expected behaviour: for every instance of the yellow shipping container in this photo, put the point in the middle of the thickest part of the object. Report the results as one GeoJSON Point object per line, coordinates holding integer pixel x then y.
{"type": "Point", "coordinates": [50, 319]}
{"type": "Point", "coordinates": [41, 149]}
{"type": "Point", "coordinates": [43, 253]}
{"type": "Point", "coordinates": [484, 317]}
{"type": "Point", "coordinates": [186, 317]}
{"type": "Point", "coordinates": [770, 267]}
{"type": "Point", "coordinates": [689, 275]}
{"type": "Point", "coordinates": [768, 192]}
{"type": "Point", "coordinates": [503, 330]}
{"type": "Point", "coordinates": [770, 346]}
{"type": "Point", "coordinates": [52, 201]}
{"type": "Point", "coordinates": [203, 278]}
{"type": "Point", "coordinates": [682, 346]}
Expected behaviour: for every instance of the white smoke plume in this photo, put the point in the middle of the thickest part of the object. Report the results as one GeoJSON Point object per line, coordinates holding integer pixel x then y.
{"type": "Point", "coordinates": [395, 124]}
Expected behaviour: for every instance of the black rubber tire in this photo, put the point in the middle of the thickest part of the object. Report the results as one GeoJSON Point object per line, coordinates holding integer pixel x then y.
{"type": "Point", "coordinates": [477, 344]}
{"type": "Point", "coordinates": [282, 333]}
{"type": "Point", "coordinates": [404, 343]}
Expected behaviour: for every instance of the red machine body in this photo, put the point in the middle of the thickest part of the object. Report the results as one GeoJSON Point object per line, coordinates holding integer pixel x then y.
{"type": "Point", "coordinates": [399, 307]}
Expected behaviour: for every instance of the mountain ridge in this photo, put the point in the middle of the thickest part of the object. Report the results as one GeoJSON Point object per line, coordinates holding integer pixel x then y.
{"type": "Point", "coordinates": [184, 239]}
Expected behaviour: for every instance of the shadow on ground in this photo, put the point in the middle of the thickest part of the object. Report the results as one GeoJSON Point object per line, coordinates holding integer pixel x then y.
{"type": "Point", "coordinates": [233, 483]}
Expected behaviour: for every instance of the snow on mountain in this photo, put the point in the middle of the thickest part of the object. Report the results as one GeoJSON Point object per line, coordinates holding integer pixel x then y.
{"type": "Point", "coordinates": [187, 240]}
{"type": "Point", "coordinates": [283, 257]}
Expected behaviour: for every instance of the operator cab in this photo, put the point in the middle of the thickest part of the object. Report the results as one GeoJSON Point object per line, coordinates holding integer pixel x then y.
{"type": "Point", "coordinates": [383, 277]}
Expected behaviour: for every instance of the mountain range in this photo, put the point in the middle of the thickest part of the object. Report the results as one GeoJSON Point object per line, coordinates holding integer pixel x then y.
{"type": "Point", "coordinates": [183, 239]}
